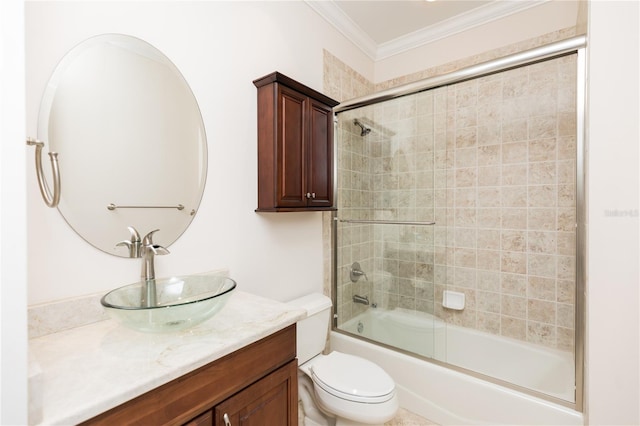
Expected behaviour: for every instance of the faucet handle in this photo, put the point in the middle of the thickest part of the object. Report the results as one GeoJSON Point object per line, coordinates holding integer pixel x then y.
{"type": "Point", "coordinates": [135, 236]}
{"type": "Point", "coordinates": [133, 243]}
{"type": "Point", "coordinates": [130, 246]}
{"type": "Point", "coordinates": [356, 272]}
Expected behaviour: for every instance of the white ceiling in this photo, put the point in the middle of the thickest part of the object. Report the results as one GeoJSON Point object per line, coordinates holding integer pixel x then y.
{"type": "Point", "coordinates": [383, 28]}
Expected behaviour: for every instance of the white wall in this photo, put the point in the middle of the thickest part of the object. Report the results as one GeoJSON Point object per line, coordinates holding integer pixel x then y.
{"type": "Point", "coordinates": [13, 224]}
{"type": "Point", "coordinates": [220, 47]}
{"type": "Point", "coordinates": [613, 297]}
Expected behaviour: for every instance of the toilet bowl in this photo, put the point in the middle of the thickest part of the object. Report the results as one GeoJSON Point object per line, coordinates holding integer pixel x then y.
{"type": "Point", "coordinates": [350, 390]}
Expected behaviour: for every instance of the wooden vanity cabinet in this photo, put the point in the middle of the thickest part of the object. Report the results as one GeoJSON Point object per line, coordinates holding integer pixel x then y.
{"type": "Point", "coordinates": [205, 419]}
{"type": "Point", "coordinates": [255, 385]}
{"type": "Point", "coordinates": [266, 402]}
{"type": "Point", "coordinates": [295, 146]}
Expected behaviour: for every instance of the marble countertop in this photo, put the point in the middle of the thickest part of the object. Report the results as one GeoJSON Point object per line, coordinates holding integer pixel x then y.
{"type": "Point", "coordinates": [87, 370]}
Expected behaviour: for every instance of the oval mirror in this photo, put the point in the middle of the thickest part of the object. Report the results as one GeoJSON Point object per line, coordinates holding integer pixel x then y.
{"type": "Point", "coordinates": [130, 140]}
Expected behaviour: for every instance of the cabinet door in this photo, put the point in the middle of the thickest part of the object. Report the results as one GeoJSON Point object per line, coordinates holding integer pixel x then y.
{"type": "Point", "coordinates": [204, 419]}
{"type": "Point", "coordinates": [291, 151]}
{"type": "Point", "coordinates": [272, 400]}
{"type": "Point", "coordinates": [320, 156]}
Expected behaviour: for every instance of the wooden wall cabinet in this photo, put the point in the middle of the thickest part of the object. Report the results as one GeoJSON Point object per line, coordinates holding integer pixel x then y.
{"type": "Point", "coordinates": [256, 385]}
{"type": "Point", "coordinates": [295, 146]}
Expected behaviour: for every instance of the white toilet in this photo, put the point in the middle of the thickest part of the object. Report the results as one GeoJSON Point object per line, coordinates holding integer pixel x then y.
{"type": "Point", "coordinates": [347, 389]}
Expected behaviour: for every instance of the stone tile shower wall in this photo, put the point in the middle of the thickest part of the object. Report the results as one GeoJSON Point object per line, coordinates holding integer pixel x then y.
{"type": "Point", "coordinates": [492, 161]}
{"type": "Point", "coordinates": [403, 158]}
{"type": "Point", "coordinates": [505, 188]}
{"type": "Point", "coordinates": [354, 191]}
{"type": "Point", "coordinates": [356, 242]}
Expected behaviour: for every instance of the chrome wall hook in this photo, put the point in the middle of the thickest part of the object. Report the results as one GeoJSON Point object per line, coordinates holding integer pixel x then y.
{"type": "Point", "coordinates": [51, 200]}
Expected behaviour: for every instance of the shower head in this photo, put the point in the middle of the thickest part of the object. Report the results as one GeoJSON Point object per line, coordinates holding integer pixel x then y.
{"type": "Point", "coordinates": [363, 129]}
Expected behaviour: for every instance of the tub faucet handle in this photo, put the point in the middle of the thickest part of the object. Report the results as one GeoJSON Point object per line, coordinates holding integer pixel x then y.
{"type": "Point", "coordinates": [357, 272]}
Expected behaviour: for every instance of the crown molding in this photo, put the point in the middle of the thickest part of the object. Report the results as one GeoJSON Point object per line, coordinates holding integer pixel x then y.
{"type": "Point", "coordinates": [476, 17]}
{"type": "Point", "coordinates": [465, 21]}
{"type": "Point", "coordinates": [341, 21]}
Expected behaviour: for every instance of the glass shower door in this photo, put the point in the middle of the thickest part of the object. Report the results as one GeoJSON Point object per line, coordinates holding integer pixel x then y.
{"type": "Point", "coordinates": [458, 204]}
{"type": "Point", "coordinates": [385, 229]}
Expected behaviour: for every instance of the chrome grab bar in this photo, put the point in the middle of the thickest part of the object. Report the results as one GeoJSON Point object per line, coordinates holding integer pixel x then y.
{"type": "Point", "coordinates": [385, 222]}
{"type": "Point", "coordinates": [51, 200]}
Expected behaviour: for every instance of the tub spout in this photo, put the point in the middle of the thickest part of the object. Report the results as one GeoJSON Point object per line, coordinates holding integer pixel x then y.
{"type": "Point", "coordinates": [361, 299]}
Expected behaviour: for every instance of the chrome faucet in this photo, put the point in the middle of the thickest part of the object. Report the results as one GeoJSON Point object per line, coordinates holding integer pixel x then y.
{"type": "Point", "coordinates": [146, 250]}
{"type": "Point", "coordinates": [149, 251]}
{"type": "Point", "coordinates": [361, 299]}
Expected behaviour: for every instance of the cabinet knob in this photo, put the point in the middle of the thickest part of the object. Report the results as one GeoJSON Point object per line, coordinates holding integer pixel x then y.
{"type": "Point", "coordinates": [227, 422]}
{"type": "Point", "coordinates": [308, 195]}
{"type": "Point", "coordinates": [311, 195]}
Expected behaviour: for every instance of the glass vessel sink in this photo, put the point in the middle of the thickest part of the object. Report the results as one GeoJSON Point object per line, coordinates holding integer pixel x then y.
{"type": "Point", "coordinates": [169, 304]}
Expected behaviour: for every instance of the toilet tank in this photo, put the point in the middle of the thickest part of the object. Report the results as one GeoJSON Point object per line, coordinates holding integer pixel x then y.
{"type": "Point", "coordinates": [312, 331]}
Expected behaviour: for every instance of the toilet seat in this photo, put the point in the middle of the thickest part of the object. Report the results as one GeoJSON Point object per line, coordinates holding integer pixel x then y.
{"type": "Point", "coordinates": [352, 378]}
{"type": "Point", "coordinates": [349, 412]}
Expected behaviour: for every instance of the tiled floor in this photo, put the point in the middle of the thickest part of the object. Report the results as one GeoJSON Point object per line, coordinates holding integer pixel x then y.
{"type": "Point", "coordinates": [407, 418]}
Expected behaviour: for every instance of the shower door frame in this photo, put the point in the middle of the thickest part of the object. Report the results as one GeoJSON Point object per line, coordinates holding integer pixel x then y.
{"type": "Point", "coordinates": [575, 45]}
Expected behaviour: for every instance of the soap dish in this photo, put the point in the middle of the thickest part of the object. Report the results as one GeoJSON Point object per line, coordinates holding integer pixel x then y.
{"type": "Point", "coordinates": [453, 300]}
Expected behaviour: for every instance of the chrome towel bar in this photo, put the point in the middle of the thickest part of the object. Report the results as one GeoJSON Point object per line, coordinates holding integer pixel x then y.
{"type": "Point", "coordinates": [385, 222]}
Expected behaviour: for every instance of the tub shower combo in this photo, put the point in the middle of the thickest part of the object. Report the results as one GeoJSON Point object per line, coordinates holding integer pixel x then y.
{"type": "Point", "coordinates": [458, 238]}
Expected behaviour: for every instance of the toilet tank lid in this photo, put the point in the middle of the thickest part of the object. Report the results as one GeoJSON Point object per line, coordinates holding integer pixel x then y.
{"type": "Point", "coordinates": [312, 303]}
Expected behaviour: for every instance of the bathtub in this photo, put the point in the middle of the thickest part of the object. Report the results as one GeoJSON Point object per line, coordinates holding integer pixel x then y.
{"type": "Point", "coordinates": [450, 397]}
